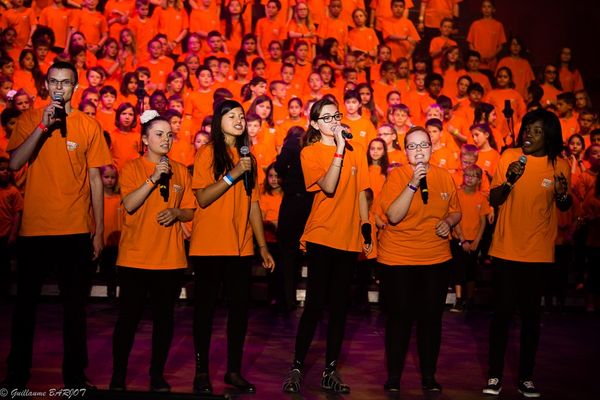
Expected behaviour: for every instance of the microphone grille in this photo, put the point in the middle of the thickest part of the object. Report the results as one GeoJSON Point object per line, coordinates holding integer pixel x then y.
{"type": "Point", "coordinates": [244, 150]}
{"type": "Point", "coordinates": [164, 159]}
{"type": "Point", "coordinates": [523, 160]}
{"type": "Point", "coordinates": [57, 97]}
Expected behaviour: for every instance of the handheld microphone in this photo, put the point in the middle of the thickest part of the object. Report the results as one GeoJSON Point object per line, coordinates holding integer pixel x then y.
{"type": "Point", "coordinates": [345, 133]}
{"type": "Point", "coordinates": [244, 151]}
{"type": "Point", "coordinates": [512, 177]}
{"type": "Point", "coordinates": [61, 114]}
{"type": "Point", "coordinates": [508, 111]}
{"type": "Point", "coordinates": [163, 181]}
{"type": "Point", "coordinates": [424, 189]}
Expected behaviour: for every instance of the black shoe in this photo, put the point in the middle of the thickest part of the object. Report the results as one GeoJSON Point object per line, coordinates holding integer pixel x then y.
{"type": "Point", "coordinates": [83, 383]}
{"type": "Point", "coordinates": [332, 382]}
{"type": "Point", "coordinates": [292, 382]}
{"type": "Point", "coordinates": [392, 384]}
{"type": "Point", "coordinates": [237, 380]}
{"type": "Point", "coordinates": [202, 383]}
{"type": "Point", "coordinates": [159, 384]}
{"type": "Point", "coordinates": [527, 389]}
{"type": "Point", "coordinates": [429, 384]}
{"type": "Point", "coordinates": [493, 387]}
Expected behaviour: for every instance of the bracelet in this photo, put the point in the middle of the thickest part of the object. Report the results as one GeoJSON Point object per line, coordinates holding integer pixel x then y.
{"type": "Point", "coordinates": [338, 155]}
{"type": "Point", "coordinates": [412, 187]}
{"type": "Point", "coordinates": [43, 127]}
{"type": "Point", "coordinates": [228, 179]}
{"type": "Point", "coordinates": [507, 183]}
{"type": "Point", "coordinates": [149, 182]}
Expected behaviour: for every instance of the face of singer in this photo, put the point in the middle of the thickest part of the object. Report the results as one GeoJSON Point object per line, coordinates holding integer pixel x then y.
{"type": "Point", "coordinates": [321, 125]}
{"type": "Point", "coordinates": [533, 139]}
{"type": "Point", "coordinates": [61, 75]}
{"type": "Point", "coordinates": [233, 124]}
{"type": "Point", "coordinates": [159, 138]}
{"type": "Point", "coordinates": [418, 155]}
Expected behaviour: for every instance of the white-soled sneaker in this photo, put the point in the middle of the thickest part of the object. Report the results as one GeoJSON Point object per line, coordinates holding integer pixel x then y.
{"type": "Point", "coordinates": [527, 389]}
{"type": "Point", "coordinates": [493, 387]}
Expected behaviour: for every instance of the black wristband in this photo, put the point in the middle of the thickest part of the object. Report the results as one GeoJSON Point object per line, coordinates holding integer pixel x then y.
{"type": "Point", "coordinates": [366, 230]}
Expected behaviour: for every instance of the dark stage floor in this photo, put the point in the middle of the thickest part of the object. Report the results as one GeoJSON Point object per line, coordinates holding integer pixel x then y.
{"type": "Point", "coordinates": [567, 363]}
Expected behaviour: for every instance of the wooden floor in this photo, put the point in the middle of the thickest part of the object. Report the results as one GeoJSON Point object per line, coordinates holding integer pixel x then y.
{"type": "Point", "coordinates": [567, 364]}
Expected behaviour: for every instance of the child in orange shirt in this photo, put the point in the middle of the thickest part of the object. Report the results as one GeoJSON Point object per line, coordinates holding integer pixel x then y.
{"type": "Point", "coordinates": [565, 103]}
{"type": "Point", "coordinates": [399, 33]}
{"type": "Point", "coordinates": [441, 156]}
{"type": "Point", "coordinates": [362, 37]}
{"type": "Point", "coordinates": [106, 111]}
{"type": "Point", "coordinates": [92, 24]}
{"type": "Point", "coordinates": [550, 85]}
{"type": "Point", "coordinates": [438, 45]}
{"type": "Point", "coordinates": [263, 152]}
{"type": "Point", "coordinates": [22, 19]}
{"type": "Point", "coordinates": [143, 27]}
{"type": "Point", "coordinates": [295, 118]}
{"type": "Point", "coordinates": [468, 234]}
{"type": "Point", "coordinates": [569, 76]}
{"type": "Point", "coordinates": [113, 223]}
{"type": "Point", "coordinates": [361, 128]}
{"type": "Point", "coordinates": [11, 207]}
{"type": "Point", "coordinates": [486, 36]}
{"type": "Point", "coordinates": [332, 236]}
{"type": "Point", "coordinates": [173, 21]}
{"type": "Point", "coordinates": [518, 65]}
{"type": "Point", "coordinates": [270, 27]}
{"type": "Point", "coordinates": [472, 64]}
{"type": "Point", "coordinates": [125, 141]}
{"type": "Point", "coordinates": [488, 156]}
{"type": "Point", "coordinates": [155, 205]}
{"type": "Point", "coordinates": [128, 87]}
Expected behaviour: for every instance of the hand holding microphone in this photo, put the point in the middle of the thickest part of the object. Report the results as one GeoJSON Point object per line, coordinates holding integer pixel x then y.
{"type": "Point", "coordinates": [244, 153]}
{"type": "Point", "coordinates": [419, 180]}
{"type": "Point", "coordinates": [516, 170]}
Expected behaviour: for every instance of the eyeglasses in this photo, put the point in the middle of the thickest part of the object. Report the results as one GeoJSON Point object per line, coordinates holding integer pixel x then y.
{"type": "Point", "coordinates": [328, 118]}
{"type": "Point", "coordinates": [63, 83]}
{"type": "Point", "coordinates": [422, 145]}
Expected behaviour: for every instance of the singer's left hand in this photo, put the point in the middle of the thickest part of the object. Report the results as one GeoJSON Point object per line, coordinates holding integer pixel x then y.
{"type": "Point", "coordinates": [442, 228]}
{"type": "Point", "coordinates": [98, 245]}
{"type": "Point", "coordinates": [367, 248]}
{"type": "Point", "coordinates": [168, 216]}
{"type": "Point", "coordinates": [268, 262]}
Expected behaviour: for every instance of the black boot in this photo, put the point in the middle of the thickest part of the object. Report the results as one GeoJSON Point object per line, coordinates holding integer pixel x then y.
{"type": "Point", "coordinates": [202, 383]}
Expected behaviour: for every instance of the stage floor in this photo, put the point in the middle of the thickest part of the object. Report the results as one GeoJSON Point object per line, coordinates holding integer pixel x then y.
{"type": "Point", "coordinates": [567, 363]}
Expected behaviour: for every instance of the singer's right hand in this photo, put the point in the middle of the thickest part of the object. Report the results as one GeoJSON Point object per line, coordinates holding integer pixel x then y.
{"type": "Point", "coordinates": [419, 172]}
{"type": "Point", "coordinates": [161, 168]}
{"type": "Point", "coordinates": [340, 141]}
{"type": "Point", "coordinates": [245, 164]}
{"type": "Point", "coordinates": [516, 168]}
{"type": "Point", "coordinates": [49, 113]}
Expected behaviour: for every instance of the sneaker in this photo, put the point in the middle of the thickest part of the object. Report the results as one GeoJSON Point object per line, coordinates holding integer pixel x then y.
{"type": "Point", "coordinates": [332, 382]}
{"type": "Point", "coordinates": [292, 382]}
{"type": "Point", "coordinates": [494, 386]}
{"type": "Point", "coordinates": [527, 389]}
{"type": "Point", "coordinates": [159, 384]}
{"type": "Point", "coordinates": [429, 384]}
{"type": "Point", "coordinates": [392, 384]}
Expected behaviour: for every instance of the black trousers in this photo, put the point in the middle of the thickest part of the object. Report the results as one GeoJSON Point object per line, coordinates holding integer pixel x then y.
{"type": "Point", "coordinates": [72, 256]}
{"type": "Point", "coordinates": [234, 273]}
{"type": "Point", "coordinates": [517, 285]}
{"type": "Point", "coordinates": [135, 285]}
{"type": "Point", "coordinates": [4, 267]}
{"type": "Point", "coordinates": [414, 294]}
{"type": "Point", "coordinates": [329, 275]}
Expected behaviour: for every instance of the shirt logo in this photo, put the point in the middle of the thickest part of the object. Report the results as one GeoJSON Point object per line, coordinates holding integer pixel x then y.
{"type": "Point", "coordinates": [354, 171]}
{"type": "Point", "coordinates": [546, 183]}
{"type": "Point", "coordinates": [177, 188]}
{"type": "Point", "coordinates": [72, 146]}
{"type": "Point", "coordinates": [445, 196]}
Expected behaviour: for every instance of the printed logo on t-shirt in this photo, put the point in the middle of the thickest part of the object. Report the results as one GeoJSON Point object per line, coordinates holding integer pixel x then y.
{"type": "Point", "coordinates": [177, 188]}
{"type": "Point", "coordinates": [362, 133]}
{"type": "Point", "coordinates": [72, 146]}
{"type": "Point", "coordinates": [445, 196]}
{"type": "Point", "coordinates": [354, 171]}
{"type": "Point", "coordinates": [487, 163]}
{"type": "Point", "coordinates": [546, 183]}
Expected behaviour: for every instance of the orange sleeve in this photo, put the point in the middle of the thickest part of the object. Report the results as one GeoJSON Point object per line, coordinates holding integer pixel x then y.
{"type": "Point", "coordinates": [11, 203]}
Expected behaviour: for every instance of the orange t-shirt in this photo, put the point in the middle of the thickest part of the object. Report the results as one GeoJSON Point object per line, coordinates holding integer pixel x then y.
{"type": "Point", "coordinates": [171, 22]}
{"type": "Point", "coordinates": [92, 24]}
{"type": "Point", "coordinates": [377, 180]}
{"type": "Point", "coordinates": [268, 31]}
{"type": "Point", "coordinates": [364, 39]}
{"type": "Point", "coordinates": [444, 158]}
{"type": "Point", "coordinates": [204, 21]}
{"type": "Point", "coordinates": [383, 10]}
{"type": "Point", "coordinates": [451, 76]}
{"type": "Point", "coordinates": [413, 240]}
{"type": "Point", "coordinates": [222, 228]}
{"type": "Point", "coordinates": [57, 19]}
{"type": "Point", "coordinates": [11, 203]}
{"type": "Point", "coordinates": [182, 151]}
{"type": "Point", "coordinates": [145, 243]}
{"type": "Point", "coordinates": [486, 36]}
{"type": "Point", "coordinates": [124, 146]}
{"type": "Point", "coordinates": [106, 119]}
{"type": "Point", "coordinates": [521, 71]}
{"type": "Point", "coordinates": [473, 206]}
{"type": "Point", "coordinates": [527, 221]}
{"type": "Point", "coordinates": [437, 44]}
{"type": "Point", "coordinates": [550, 93]}
{"type": "Point", "coordinates": [335, 28]}
{"type": "Point", "coordinates": [286, 125]}
{"type": "Point", "coordinates": [144, 31]}
{"type": "Point", "coordinates": [482, 79]}
{"type": "Point", "coordinates": [362, 130]}
{"type": "Point", "coordinates": [403, 27]}
{"type": "Point", "coordinates": [437, 10]}
{"type": "Point", "coordinates": [24, 80]}
{"type": "Point", "coordinates": [159, 69]}
{"type": "Point", "coordinates": [234, 42]}
{"type": "Point", "coordinates": [113, 220]}
{"type": "Point", "coordinates": [58, 200]}
{"type": "Point", "coordinates": [484, 186]}
{"type": "Point", "coordinates": [21, 20]}
{"type": "Point", "coordinates": [570, 80]}
{"type": "Point", "coordinates": [397, 157]}
{"type": "Point", "coordinates": [497, 98]}
{"type": "Point", "coordinates": [487, 160]}
{"type": "Point", "coordinates": [115, 8]}
{"type": "Point", "coordinates": [269, 205]}
{"type": "Point", "coordinates": [199, 105]}
{"type": "Point", "coordinates": [334, 220]}
{"type": "Point", "coordinates": [569, 126]}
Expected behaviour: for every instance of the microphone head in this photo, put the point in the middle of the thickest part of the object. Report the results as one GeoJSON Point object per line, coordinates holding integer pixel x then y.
{"type": "Point", "coordinates": [523, 160]}
{"type": "Point", "coordinates": [164, 159]}
{"type": "Point", "coordinates": [58, 97]}
{"type": "Point", "coordinates": [244, 150]}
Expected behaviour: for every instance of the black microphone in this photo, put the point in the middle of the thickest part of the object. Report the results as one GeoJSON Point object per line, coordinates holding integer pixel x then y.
{"type": "Point", "coordinates": [512, 177]}
{"type": "Point", "coordinates": [244, 151]}
{"type": "Point", "coordinates": [61, 114]}
{"type": "Point", "coordinates": [163, 181]}
{"type": "Point", "coordinates": [424, 189]}
{"type": "Point", "coordinates": [345, 133]}
{"type": "Point", "coordinates": [508, 111]}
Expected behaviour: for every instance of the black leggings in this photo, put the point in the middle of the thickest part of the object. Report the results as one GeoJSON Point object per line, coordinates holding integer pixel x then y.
{"type": "Point", "coordinates": [329, 274]}
{"type": "Point", "coordinates": [234, 273]}
{"type": "Point", "coordinates": [517, 285]}
{"type": "Point", "coordinates": [135, 285]}
{"type": "Point", "coordinates": [414, 293]}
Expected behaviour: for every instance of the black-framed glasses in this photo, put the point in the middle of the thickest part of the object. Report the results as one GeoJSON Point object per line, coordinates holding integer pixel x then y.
{"type": "Point", "coordinates": [328, 118]}
{"type": "Point", "coordinates": [422, 145]}
{"type": "Point", "coordinates": [64, 83]}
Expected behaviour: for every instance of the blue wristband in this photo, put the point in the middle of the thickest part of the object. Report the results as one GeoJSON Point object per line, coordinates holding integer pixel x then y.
{"type": "Point", "coordinates": [228, 179]}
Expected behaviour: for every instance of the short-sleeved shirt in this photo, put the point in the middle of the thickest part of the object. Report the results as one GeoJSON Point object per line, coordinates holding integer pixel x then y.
{"type": "Point", "coordinates": [144, 242]}
{"type": "Point", "coordinates": [334, 220]}
{"type": "Point", "coordinates": [58, 197]}
{"type": "Point", "coordinates": [527, 221]}
{"type": "Point", "coordinates": [11, 203]}
{"type": "Point", "coordinates": [473, 206]}
{"type": "Point", "coordinates": [413, 240]}
{"type": "Point", "coordinates": [222, 228]}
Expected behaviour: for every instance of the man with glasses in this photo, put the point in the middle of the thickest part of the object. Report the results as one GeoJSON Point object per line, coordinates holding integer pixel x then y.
{"type": "Point", "coordinates": [62, 224]}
